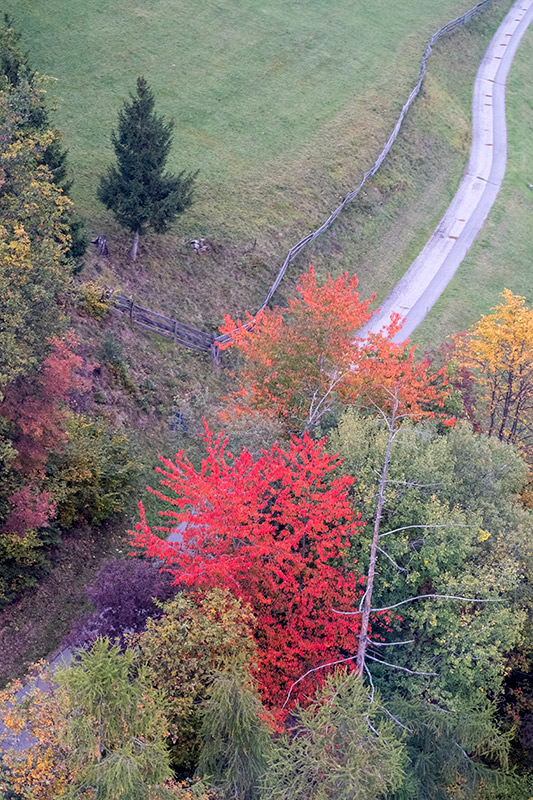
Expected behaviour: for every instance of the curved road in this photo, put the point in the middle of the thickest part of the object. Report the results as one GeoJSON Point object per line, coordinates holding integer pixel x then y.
{"type": "Point", "coordinates": [427, 277]}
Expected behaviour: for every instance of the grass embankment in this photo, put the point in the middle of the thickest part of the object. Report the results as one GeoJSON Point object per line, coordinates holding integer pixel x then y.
{"type": "Point", "coordinates": [501, 256]}
{"type": "Point", "coordinates": [35, 624]}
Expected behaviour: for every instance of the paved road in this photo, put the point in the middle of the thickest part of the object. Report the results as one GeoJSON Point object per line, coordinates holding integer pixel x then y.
{"type": "Point", "coordinates": [427, 277]}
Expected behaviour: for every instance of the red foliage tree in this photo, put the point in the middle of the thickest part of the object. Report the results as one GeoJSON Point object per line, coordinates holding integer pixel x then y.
{"type": "Point", "coordinates": [37, 405]}
{"type": "Point", "coordinates": [275, 531]}
{"type": "Point", "coordinates": [30, 509]}
{"type": "Point", "coordinates": [297, 359]}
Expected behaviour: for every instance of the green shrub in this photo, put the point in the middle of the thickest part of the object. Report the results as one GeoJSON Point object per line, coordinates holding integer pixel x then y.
{"type": "Point", "coordinates": [95, 299]}
{"type": "Point", "coordinates": [91, 478]}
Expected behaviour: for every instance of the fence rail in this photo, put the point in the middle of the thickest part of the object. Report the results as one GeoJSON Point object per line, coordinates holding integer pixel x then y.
{"type": "Point", "coordinates": [299, 246]}
{"type": "Point", "coordinates": [180, 333]}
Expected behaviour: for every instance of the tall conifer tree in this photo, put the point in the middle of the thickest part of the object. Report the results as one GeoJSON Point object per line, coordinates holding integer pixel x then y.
{"type": "Point", "coordinates": [137, 190]}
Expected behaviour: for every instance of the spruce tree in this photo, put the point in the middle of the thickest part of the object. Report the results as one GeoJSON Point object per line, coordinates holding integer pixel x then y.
{"type": "Point", "coordinates": [137, 190]}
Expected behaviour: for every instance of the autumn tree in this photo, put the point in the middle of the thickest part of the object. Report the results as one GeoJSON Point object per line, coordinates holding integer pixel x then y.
{"type": "Point", "coordinates": [499, 352]}
{"type": "Point", "coordinates": [37, 406]}
{"type": "Point", "coordinates": [93, 730]}
{"type": "Point", "coordinates": [16, 73]}
{"type": "Point", "coordinates": [273, 531]}
{"type": "Point", "coordinates": [194, 640]}
{"type": "Point", "coordinates": [123, 594]}
{"type": "Point", "coordinates": [36, 770]}
{"type": "Point", "coordinates": [34, 239]}
{"type": "Point", "coordinates": [137, 190]}
{"type": "Point", "coordinates": [300, 362]}
{"type": "Point", "coordinates": [58, 468]}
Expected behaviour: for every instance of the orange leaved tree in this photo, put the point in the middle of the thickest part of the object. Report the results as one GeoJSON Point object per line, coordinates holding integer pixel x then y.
{"type": "Point", "coordinates": [299, 360]}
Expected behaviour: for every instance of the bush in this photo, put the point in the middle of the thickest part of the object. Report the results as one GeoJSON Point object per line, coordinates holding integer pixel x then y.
{"type": "Point", "coordinates": [22, 563]}
{"type": "Point", "coordinates": [91, 477]}
{"type": "Point", "coordinates": [197, 637]}
{"type": "Point", "coordinates": [124, 593]}
{"type": "Point", "coordinates": [95, 299]}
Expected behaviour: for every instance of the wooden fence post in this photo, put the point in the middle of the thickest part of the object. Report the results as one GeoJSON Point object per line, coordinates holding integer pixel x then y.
{"type": "Point", "coordinates": [215, 353]}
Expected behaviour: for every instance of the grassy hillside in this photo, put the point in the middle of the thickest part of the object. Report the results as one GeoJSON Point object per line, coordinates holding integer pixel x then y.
{"type": "Point", "coordinates": [325, 89]}
{"type": "Point", "coordinates": [501, 256]}
{"type": "Point", "coordinates": [281, 106]}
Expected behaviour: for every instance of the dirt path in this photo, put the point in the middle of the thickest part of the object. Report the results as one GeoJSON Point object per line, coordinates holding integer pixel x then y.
{"type": "Point", "coordinates": [427, 277]}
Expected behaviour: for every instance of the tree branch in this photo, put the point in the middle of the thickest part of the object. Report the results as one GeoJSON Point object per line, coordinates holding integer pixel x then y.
{"type": "Point", "coordinates": [390, 644]}
{"type": "Point", "coordinates": [441, 597]}
{"type": "Point", "coordinates": [397, 666]}
{"type": "Point", "coordinates": [372, 687]}
{"type": "Point", "coordinates": [409, 527]}
{"type": "Point", "coordinates": [393, 562]}
{"type": "Point", "coordinates": [315, 669]}
{"type": "Point", "coordinates": [423, 597]}
{"type": "Point", "coordinates": [396, 720]}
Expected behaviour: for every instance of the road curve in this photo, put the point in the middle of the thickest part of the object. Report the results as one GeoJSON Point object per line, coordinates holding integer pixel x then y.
{"type": "Point", "coordinates": [429, 274]}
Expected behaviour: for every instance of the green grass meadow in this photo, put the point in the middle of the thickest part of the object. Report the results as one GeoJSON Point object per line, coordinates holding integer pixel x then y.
{"type": "Point", "coordinates": [259, 90]}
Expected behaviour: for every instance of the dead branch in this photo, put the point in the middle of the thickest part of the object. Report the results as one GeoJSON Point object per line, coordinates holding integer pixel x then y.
{"type": "Point", "coordinates": [389, 644]}
{"type": "Point", "coordinates": [315, 669]}
{"type": "Point", "coordinates": [393, 562]}
{"type": "Point", "coordinates": [409, 527]}
{"type": "Point", "coordinates": [397, 666]}
{"type": "Point", "coordinates": [423, 597]}
{"type": "Point", "coordinates": [396, 720]}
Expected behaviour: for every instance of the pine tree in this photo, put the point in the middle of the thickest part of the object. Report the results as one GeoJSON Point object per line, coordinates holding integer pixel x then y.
{"type": "Point", "coordinates": [235, 736]}
{"type": "Point", "coordinates": [115, 728]}
{"type": "Point", "coordinates": [137, 190]}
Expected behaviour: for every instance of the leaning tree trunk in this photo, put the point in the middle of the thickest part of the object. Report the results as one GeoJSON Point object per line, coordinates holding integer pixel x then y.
{"type": "Point", "coordinates": [367, 607]}
{"type": "Point", "coordinates": [135, 246]}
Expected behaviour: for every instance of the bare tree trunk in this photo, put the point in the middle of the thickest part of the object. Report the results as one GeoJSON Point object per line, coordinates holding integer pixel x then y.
{"type": "Point", "coordinates": [506, 405]}
{"type": "Point", "coordinates": [365, 619]}
{"type": "Point", "coordinates": [135, 246]}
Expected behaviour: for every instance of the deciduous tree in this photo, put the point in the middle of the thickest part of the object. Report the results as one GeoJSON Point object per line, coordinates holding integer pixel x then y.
{"type": "Point", "coordinates": [299, 361]}
{"type": "Point", "coordinates": [274, 531]}
{"type": "Point", "coordinates": [98, 735]}
{"type": "Point", "coordinates": [196, 638]}
{"type": "Point", "coordinates": [450, 527]}
{"type": "Point", "coordinates": [499, 351]}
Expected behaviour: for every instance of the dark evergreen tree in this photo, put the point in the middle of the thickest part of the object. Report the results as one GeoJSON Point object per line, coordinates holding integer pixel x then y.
{"type": "Point", "coordinates": [11, 56]}
{"type": "Point", "coordinates": [137, 190]}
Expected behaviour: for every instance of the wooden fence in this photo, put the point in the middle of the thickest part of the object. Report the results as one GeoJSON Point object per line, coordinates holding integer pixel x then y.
{"type": "Point", "coordinates": [299, 246]}
{"type": "Point", "coordinates": [166, 326]}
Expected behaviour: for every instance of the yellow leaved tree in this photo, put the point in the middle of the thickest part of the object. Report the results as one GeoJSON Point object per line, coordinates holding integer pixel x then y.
{"type": "Point", "coordinates": [498, 350]}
